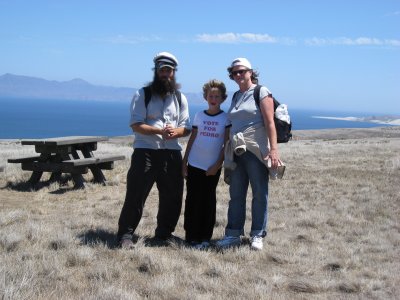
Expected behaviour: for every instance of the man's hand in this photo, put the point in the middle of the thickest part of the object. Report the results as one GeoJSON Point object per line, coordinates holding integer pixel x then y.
{"type": "Point", "coordinates": [169, 132]}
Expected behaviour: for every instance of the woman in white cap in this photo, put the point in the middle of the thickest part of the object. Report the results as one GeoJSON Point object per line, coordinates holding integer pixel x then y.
{"type": "Point", "coordinates": [256, 123]}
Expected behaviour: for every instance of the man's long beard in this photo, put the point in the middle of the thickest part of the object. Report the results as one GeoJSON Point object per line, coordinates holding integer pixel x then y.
{"type": "Point", "coordinates": [163, 86]}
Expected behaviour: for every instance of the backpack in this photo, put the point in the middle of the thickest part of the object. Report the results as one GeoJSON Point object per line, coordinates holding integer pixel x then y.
{"type": "Point", "coordinates": [283, 129]}
{"type": "Point", "coordinates": [147, 96]}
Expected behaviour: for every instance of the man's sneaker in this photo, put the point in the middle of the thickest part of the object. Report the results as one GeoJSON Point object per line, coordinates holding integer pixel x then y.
{"type": "Point", "coordinates": [228, 241]}
{"type": "Point", "coordinates": [256, 243]}
{"type": "Point", "coordinates": [127, 244]}
{"type": "Point", "coordinates": [202, 246]}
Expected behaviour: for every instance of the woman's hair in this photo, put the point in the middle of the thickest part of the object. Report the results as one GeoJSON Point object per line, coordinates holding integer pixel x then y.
{"type": "Point", "coordinates": [214, 83]}
{"type": "Point", "coordinates": [254, 76]}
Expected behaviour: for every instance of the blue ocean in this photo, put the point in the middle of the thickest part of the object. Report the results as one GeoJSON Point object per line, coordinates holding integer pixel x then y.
{"type": "Point", "coordinates": [33, 118]}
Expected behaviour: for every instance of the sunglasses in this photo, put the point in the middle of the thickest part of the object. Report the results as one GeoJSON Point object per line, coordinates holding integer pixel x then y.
{"type": "Point", "coordinates": [239, 72]}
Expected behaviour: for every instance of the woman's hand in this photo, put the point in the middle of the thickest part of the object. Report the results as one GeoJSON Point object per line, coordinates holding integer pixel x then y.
{"type": "Point", "coordinates": [273, 156]}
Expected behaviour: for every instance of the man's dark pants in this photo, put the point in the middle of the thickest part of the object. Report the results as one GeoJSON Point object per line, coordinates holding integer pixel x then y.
{"type": "Point", "coordinates": [164, 167]}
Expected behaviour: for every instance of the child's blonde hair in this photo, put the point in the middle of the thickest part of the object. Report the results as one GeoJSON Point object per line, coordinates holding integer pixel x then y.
{"type": "Point", "coordinates": [214, 83]}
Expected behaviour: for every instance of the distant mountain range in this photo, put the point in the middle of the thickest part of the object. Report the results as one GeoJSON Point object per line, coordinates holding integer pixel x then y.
{"type": "Point", "coordinates": [18, 86]}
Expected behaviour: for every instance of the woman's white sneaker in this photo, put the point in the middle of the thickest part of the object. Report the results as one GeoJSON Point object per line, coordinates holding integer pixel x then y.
{"type": "Point", "coordinates": [256, 243]}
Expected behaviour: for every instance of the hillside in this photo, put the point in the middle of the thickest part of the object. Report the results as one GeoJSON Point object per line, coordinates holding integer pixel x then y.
{"type": "Point", "coordinates": [17, 86]}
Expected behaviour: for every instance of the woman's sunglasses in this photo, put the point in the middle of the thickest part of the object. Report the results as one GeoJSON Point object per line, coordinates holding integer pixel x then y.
{"type": "Point", "coordinates": [239, 72]}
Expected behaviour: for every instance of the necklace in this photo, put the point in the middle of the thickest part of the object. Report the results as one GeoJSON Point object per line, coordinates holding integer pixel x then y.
{"type": "Point", "coordinates": [240, 101]}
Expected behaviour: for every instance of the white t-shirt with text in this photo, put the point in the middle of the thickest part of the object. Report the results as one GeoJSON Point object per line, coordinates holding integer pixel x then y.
{"type": "Point", "coordinates": [209, 140]}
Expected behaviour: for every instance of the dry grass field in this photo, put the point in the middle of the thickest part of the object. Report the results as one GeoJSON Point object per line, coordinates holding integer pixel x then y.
{"type": "Point", "coordinates": [333, 231]}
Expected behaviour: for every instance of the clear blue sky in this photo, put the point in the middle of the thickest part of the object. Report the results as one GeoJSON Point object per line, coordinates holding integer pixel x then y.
{"type": "Point", "coordinates": [333, 54]}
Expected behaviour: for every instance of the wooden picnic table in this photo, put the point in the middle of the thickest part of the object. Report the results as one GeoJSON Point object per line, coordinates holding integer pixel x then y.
{"type": "Point", "coordinates": [72, 154]}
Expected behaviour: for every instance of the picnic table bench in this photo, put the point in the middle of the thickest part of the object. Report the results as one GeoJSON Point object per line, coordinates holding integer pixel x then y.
{"type": "Point", "coordinates": [73, 155]}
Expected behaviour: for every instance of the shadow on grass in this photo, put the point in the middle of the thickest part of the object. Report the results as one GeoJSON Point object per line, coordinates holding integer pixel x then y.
{"type": "Point", "coordinates": [158, 242]}
{"type": "Point", "coordinates": [27, 186]}
{"type": "Point", "coordinates": [65, 184]}
{"type": "Point", "coordinates": [107, 238]}
{"type": "Point", "coordinates": [99, 236]}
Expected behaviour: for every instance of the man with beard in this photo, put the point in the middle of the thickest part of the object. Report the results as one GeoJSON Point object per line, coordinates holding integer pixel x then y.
{"type": "Point", "coordinates": [157, 157]}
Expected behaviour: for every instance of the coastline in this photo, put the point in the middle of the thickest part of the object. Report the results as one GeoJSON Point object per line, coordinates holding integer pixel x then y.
{"type": "Point", "coordinates": [382, 120]}
{"type": "Point", "coordinates": [307, 134]}
{"type": "Point", "coordinates": [347, 133]}
{"type": "Point", "coordinates": [311, 134]}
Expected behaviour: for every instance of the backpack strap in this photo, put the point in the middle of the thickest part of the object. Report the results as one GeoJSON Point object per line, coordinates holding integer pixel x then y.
{"type": "Point", "coordinates": [256, 95]}
{"type": "Point", "coordinates": [178, 97]}
{"type": "Point", "coordinates": [283, 129]}
{"type": "Point", "coordinates": [147, 96]}
{"type": "Point", "coordinates": [234, 94]}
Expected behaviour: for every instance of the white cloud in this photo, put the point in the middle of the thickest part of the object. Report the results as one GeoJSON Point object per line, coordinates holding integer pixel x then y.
{"type": "Point", "coordinates": [255, 38]}
{"type": "Point", "coordinates": [232, 38]}
{"type": "Point", "coordinates": [361, 41]}
{"type": "Point", "coordinates": [395, 13]}
{"type": "Point", "coordinates": [392, 42]}
{"type": "Point", "coordinates": [123, 39]}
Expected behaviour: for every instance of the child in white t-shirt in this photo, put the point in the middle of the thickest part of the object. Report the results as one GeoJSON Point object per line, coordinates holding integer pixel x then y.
{"type": "Point", "coordinates": [202, 165]}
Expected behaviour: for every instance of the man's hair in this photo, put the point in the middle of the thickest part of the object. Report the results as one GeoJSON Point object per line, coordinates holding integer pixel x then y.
{"type": "Point", "coordinates": [214, 83]}
{"type": "Point", "coordinates": [163, 87]}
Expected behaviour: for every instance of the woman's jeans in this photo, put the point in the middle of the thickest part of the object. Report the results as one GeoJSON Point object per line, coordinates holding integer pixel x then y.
{"type": "Point", "coordinates": [249, 169]}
